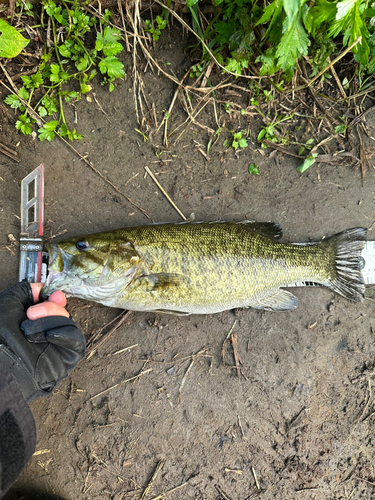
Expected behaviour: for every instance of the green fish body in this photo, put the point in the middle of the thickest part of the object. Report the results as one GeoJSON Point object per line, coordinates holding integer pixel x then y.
{"type": "Point", "coordinates": [201, 268]}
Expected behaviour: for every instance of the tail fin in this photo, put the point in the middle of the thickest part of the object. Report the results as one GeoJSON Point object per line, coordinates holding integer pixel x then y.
{"type": "Point", "coordinates": [347, 279]}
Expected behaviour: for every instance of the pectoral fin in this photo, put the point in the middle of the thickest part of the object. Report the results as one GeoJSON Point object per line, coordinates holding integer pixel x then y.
{"type": "Point", "coordinates": [279, 301]}
{"type": "Point", "coordinates": [160, 281]}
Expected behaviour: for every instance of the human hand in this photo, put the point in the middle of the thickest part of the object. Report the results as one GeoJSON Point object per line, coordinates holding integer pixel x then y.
{"type": "Point", "coordinates": [53, 306]}
{"type": "Point", "coordinates": [39, 344]}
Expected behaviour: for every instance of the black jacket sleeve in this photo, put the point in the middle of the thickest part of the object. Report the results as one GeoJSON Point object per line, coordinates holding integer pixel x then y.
{"type": "Point", "coordinates": [17, 431]}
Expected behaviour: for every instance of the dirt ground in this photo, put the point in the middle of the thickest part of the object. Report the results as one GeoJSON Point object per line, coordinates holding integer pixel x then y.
{"type": "Point", "coordinates": [298, 424]}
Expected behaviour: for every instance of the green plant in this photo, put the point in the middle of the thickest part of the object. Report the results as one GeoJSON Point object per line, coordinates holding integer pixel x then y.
{"type": "Point", "coordinates": [237, 141]}
{"type": "Point", "coordinates": [253, 169]}
{"type": "Point", "coordinates": [268, 95]}
{"type": "Point", "coordinates": [291, 30]}
{"type": "Point", "coordinates": [47, 90]}
{"type": "Point", "coordinates": [309, 160]}
{"type": "Point", "coordinates": [341, 129]}
{"type": "Point", "coordinates": [156, 32]}
{"type": "Point", "coordinates": [272, 132]}
{"type": "Point", "coordinates": [196, 71]}
{"type": "Point", "coordinates": [307, 145]}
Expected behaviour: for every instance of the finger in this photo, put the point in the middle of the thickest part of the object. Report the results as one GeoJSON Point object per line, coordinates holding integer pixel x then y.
{"type": "Point", "coordinates": [45, 309]}
{"type": "Point", "coordinates": [36, 288]}
{"type": "Point", "coordinates": [57, 297]}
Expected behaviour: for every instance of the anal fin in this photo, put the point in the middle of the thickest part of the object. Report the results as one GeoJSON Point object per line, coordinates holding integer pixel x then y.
{"type": "Point", "coordinates": [279, 301]}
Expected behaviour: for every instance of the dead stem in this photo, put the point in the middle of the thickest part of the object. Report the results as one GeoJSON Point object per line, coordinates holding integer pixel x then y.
{"type": "Point", "coordinates": [225, 341]}
{"type": "Point", "coordinates": [9, 152]}
{"type": "Point", "coordinates": [255, 477]}
{"type": "Point", "coordinates": [121, 383]}
{"type": "Point", "coordinates": [163, 495]}
{"type": "Point", "coordinates": [301, 87]}
{"type": "Point", "coordinates": [154, 476]}
{"type": "Point", "coordinates": [164, 192]}
{"type": "Point", "coordinates": [185, 376]}
{"type": "Point", "coordinates": [93, 346]}
{"type": "Point", "coordinates": [237, 357]}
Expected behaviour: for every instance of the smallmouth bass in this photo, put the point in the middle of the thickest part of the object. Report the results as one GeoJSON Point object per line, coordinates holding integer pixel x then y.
{"type": "Point", "coordinates": [201, 268]}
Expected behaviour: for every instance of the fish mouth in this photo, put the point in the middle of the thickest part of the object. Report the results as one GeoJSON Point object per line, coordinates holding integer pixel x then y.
{"type": "Point", "coordinates": [57, 277]}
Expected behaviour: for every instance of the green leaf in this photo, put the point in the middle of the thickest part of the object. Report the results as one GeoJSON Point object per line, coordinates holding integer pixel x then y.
{"type": "Point", "coordinates": [50, 125]}
{"type": "Point", "coordinates": [64, 51]}
{"type": "Point", "coordinates": [190, 3]}
{"type": "Point", "coordinates": [70, 134]}
{"type": "Point", "coordinates": [48, 131]}
{"type": "Point", "coordinates": [83, 63]}
{"type": "Point", "coordinates": [63, 130]}
{"type": "Point", "coordinates": [340, 129]}
{"type": "Point", "coordinates": [362, 49]}
{"type": "Point", "coordinates": [55, 70]}
{"type": "Point", "coordinates": [269, 61]}
{"type": "Point", "coordinates": [267, 13]}
{"type": "Point", "coordinates": [324, 11]}
{"type": "Point", "coordinates": [243, 143]}
{"type": "Point", "coordinates": [253, 169]}
{"type": "Point", "coordinates": [23, 124]}
{"type": "Point", "coordinates": [11, 42]}
{"type": "Point", "coordinates": [85, 88]}
{"type": "Point", "coordinates": [309, 160]}
{"type": "Point", "coordinates": [112, 66]}
{"type": "Point", "coordinates": [42, 111]}
{"type": "Point", "coordinates": [291, 8]}
{"type": "Point", "coordinates": [33, 81]}
{"type": "Point", "coordinates": [23, 93]}
{"type": "Point", "coordinates": [46, 135]}
{"type": "Point", "coordinates": [261, 134]}
{"type": "Point", "coordinates": [13, 101]}
{"type": "Point", "coordinates": [343, 8]}
{"type": "Point", "coordinates": [108, 42]}
{"type": "Point", "coordinates": [50, 103]}
{"type": "Point", "coordinates": [293, 44]}
{"type": "Point", "coordinates": [112, 49]}
{"type": "Point", "coordinates": [233, 66]}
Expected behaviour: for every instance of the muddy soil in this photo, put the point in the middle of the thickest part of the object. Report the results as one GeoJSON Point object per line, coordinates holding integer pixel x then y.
{"type": "Point", "coordinates": [299, 422]}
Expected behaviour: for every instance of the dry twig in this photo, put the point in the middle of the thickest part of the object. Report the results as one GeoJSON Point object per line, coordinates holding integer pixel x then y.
{"type": "Point", "coordinates": [154, 476]}
{"type": "Point", "coordinates": [121, 383]}
{"type": "Point", "coordinates": [165, 193]}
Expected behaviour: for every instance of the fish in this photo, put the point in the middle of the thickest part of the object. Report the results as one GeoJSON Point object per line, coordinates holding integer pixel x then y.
{"type": "Point", "coordinates": [202, 268]}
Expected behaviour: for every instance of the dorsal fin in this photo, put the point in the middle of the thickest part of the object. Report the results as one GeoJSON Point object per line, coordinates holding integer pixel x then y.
{"type": "Point", "coordinates": [269, 229]}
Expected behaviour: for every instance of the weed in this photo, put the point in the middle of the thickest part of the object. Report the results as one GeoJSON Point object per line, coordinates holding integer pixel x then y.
{"type": "Point", "coordinates": [291, 30]}
{"type": "Point", "coordinates": [272, 132]}
{"type": "Point", "coordinates": [237, 141]}
{"type": "Point", "coordinates": [309, 160]}
{"type": "Point", "coordinates": [46, 90]}
{"type": "Point", "coordinates": [161, 23]}
{"type": "Point", "coordinates": [253, 169]}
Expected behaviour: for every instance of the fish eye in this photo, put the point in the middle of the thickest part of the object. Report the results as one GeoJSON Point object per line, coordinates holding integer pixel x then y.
{"type": "Point", "coordinates": [82, 245]}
